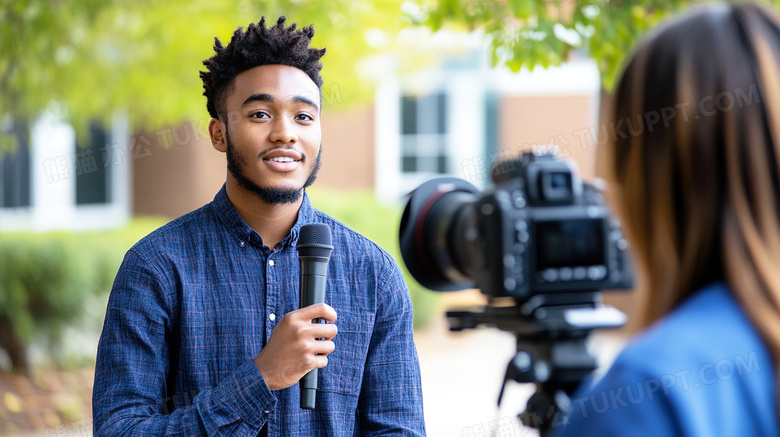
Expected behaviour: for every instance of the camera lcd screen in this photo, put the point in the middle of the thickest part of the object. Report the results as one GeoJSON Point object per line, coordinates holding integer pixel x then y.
{"type": "Point", "coordinates": [569, 243]}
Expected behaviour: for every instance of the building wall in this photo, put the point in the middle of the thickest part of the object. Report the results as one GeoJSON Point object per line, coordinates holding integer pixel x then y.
{"type": "Point", "coordinates": [180, 171]}
{"type": "Point", "coordinates": [179, 174]}
{"type": "Point", "coordinates": [348, 149]}
{"type": "Point", "coordinates": [564, 120]}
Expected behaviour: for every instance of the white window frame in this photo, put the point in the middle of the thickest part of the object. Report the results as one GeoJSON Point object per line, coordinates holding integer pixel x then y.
{"type": "Point", "coordinates": [53, 200]}
{"type": "Point", "coordinates": [465, 121]}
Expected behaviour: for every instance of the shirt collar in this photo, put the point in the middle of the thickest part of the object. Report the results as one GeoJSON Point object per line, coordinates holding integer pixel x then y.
{"type": "Point", "coordinates": [239, 228]}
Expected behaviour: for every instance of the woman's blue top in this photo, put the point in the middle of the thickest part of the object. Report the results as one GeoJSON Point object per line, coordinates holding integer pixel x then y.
{"type": "Point", "coordinates": [702, 370]}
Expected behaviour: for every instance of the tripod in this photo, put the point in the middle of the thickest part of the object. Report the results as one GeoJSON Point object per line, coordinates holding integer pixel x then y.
{"type": "Point", "coordinates": [551, 333]}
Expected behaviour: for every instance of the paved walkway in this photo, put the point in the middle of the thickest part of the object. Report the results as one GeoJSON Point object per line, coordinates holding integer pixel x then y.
{"type": "Point", "coordinates": [462, 373]}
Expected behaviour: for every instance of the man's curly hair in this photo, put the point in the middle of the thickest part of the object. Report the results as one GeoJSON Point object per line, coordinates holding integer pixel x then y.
{"type": "Point", "coordinates": [258, 46]}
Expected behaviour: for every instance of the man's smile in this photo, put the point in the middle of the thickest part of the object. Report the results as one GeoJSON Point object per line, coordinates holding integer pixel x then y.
{"type": "Point", "coordinates": [282, 160]}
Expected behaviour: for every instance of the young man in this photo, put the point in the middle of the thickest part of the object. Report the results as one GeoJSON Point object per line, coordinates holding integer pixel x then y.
{"type": "Point", "coordinates": [203, 335]}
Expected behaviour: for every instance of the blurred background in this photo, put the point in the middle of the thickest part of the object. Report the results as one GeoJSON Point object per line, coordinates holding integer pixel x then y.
{"type": "Point", "coordinates": [103, 138]}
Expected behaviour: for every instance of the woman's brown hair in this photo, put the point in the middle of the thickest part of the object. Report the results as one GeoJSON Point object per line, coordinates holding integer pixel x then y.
{"type": "Point", "coordinates": [694, 164]}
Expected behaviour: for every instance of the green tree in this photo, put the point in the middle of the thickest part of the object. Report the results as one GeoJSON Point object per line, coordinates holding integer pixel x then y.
{"type": "Point", "coordinates": [89, 57]}
{"type": "Point", "coordinates": [86, 58]}
{"type": "Point", "coordinates": [530, 33]}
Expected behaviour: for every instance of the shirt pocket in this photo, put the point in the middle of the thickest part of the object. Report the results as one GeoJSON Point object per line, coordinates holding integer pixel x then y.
{"type": "Point", "coordinates": [344, 372]}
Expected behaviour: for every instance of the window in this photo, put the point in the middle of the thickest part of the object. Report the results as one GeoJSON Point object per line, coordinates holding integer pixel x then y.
{"type": "Point", "coordinates": [93, 178]}
{"type": "Point", "coordinates": [417, 136]}
{"type": "Point", "coordinates": [424, 134]}
{"type": "Point", "coordinates": [15, 166]}
{"type": "Point", "coordinates": [48, 182]}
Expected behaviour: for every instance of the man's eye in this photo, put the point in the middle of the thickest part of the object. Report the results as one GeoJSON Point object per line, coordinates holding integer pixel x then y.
{"type": "Point", "coordinates": [258, 115]}
{"type": "Point", "coordinates": [305, 117]}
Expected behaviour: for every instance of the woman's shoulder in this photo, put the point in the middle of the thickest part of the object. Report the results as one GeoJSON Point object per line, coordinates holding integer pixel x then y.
{"type": "Point", "coordinates": [702, 370]}
{"type": "Point", "coordinates": [707, 328]}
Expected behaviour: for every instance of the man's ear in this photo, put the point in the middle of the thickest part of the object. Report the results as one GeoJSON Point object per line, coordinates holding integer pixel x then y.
{"type": "Point", "coordinates": [218, 133]}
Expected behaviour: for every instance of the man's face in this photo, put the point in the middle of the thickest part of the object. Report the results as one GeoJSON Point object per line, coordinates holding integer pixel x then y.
{"type": "Point", "coordinates": [273, 132]}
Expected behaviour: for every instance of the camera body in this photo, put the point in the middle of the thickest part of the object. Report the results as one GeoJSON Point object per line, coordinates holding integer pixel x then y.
{"type": "Point", "coordinates": [540, 230]}
{"type": "Point", "coordinates": [540, 236]}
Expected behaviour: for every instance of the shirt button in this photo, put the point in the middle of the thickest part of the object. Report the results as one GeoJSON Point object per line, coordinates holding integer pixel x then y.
{"type": "Point", "coordinates": [242, 244]}
{"type": "Point", "coordinates": [271, 262]}
{"type": "Point", "coordinates": [272, 317]}
{"type": "Point", "coordinates": [267, 411]}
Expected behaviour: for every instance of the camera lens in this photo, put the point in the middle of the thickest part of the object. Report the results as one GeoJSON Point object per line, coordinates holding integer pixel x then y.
{"type": "Point", "coordinates": [434, 234]}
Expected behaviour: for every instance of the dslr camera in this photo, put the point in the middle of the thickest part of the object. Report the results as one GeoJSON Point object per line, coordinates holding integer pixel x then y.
{"type": "Point", "coordinates": [540, 231]}
{"type": "Point", "coordinates": [545, 242]}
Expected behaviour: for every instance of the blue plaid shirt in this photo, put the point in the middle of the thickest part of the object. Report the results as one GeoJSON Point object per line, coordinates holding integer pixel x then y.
{"type": "Point", "coordinates": [197, 299]}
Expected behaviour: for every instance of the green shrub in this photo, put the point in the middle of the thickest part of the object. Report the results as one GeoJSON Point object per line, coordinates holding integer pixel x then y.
{"type": "Point", "coordinates": [47, 278]}
{"type": "Point", "coordinates": [361, 211]}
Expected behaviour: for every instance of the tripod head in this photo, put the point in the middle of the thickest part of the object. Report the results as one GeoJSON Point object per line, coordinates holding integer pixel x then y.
{"type": "Point", "coordinates": [551, 332]}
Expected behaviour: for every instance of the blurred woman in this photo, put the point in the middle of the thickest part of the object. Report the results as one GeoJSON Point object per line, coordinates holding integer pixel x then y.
{"type": "Point", "coordinates": [695, 177]}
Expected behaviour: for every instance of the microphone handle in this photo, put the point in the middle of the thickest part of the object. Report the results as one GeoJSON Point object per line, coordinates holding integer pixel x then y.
{"type": "Point", "coordinates": [312, 290]}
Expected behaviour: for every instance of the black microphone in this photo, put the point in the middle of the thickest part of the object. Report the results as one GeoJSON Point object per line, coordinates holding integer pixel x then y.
{"type": "Point", "coordinates": [314, 246]}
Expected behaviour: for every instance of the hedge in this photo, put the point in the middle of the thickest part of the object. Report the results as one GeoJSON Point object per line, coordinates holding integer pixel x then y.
{"type": "Point", "coordinates": [46, 279]}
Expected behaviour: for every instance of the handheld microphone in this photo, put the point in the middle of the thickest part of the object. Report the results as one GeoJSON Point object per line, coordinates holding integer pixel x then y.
{"type": "Point", "coordinates": [314, 246]}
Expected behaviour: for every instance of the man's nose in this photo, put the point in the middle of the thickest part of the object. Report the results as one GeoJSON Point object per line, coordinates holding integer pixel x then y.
{"type": "Point", "coordinates": [283, 131]}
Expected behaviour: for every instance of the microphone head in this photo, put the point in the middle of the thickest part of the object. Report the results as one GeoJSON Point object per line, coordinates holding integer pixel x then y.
{"type": "Point", "coordinates": [315, 239]}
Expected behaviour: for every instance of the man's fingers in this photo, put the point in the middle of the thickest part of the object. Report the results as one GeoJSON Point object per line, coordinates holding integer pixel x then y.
{"type": "Point", "coordinates": [324, 347]}
{"type": "Point", "coordinates": [320, 361]}
{"type": "Point", "coordinates": [297, 345]}
{"type": "Point", "coordinates": [318, 310]}
{"type": "Point", "coordinates": [320, 330]}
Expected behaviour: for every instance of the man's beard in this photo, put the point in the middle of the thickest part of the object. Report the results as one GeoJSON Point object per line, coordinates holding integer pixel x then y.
{"type": "Point", "coordinates": [270, 195]}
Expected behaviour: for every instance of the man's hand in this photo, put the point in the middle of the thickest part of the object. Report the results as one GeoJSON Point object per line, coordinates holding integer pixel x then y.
{"type": "Point", "coordinates": [293, 349]}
